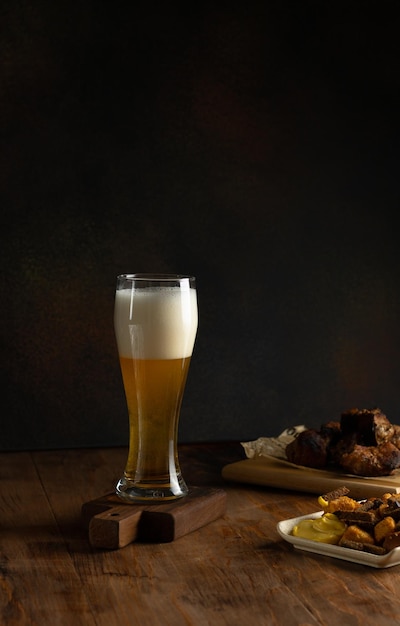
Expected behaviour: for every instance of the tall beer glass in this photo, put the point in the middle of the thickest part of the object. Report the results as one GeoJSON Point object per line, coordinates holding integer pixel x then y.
{"type": "Point", "coordinates": [155, 320]}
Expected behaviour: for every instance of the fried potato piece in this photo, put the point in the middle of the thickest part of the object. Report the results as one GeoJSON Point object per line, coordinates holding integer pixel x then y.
{"type": "Point", "coordinates": [355, 533]}
{"type": "Point", "coordinates": [384, 528]}
{"type": "Point", "coordinates": [343, 503]}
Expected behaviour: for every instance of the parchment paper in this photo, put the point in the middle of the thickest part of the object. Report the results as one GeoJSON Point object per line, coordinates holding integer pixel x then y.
{"type": "Point", "coordinates": [272, 446]}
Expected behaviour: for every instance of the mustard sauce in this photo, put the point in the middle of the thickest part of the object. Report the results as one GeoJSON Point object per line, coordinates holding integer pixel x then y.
{"type": "Point", "coordinates": [326, 529]}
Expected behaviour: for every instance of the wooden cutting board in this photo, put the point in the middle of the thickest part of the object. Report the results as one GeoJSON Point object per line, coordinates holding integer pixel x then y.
{"type": "Point", "coordinates": [273, 473]}
{"type": "Point", "coordinates": [114, 524]}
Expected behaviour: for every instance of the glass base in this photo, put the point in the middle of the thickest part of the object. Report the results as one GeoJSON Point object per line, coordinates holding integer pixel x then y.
{"type": "Point", "coordinates": [131, 491]}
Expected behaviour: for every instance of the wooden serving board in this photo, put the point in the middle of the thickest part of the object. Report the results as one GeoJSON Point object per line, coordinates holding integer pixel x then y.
{"type": "Point", "coordinates": [113, 524]}
{"type": "Point", "coordinates": [273, 473]}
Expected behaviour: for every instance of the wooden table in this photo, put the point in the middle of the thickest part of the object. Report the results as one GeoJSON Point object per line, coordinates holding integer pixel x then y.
{"type": "Point", "coordinates": [236, 570]}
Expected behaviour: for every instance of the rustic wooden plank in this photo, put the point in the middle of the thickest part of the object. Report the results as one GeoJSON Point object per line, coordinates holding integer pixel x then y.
{"type": "Point", "coordinates": [232, 571]}
{"type": "Point", "coordinates": [38, 581]}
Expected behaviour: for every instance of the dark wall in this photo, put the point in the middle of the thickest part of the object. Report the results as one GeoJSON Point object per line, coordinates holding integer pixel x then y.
{"type": "Point", "coordinates": [255, 148]}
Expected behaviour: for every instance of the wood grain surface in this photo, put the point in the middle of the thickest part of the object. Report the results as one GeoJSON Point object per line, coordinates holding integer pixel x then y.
{"type": "Point", "coordinates": [234, 570]}
{"type": "Point", "coordinates": [273, 473]}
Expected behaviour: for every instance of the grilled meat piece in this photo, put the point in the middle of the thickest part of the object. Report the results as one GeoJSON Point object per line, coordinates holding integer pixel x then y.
{"type": "Point", "coordinates": [364, 443]}
{"type": "Point", "coordinates": [336, 493]}
{"type": "Point", "coordinates": [378, 460]}
{"type": "Point", "coordinates": [310, 448]}
{"type": "Point", "coordinates": [396, 436]}
{"type": "Point", "coordinates": [392, 541]}
{"type": "Point", "coordinates": [370, 427]}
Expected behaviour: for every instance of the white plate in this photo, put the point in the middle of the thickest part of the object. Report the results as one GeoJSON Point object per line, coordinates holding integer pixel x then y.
{"type": "Point", "coordinates": [346, 554]}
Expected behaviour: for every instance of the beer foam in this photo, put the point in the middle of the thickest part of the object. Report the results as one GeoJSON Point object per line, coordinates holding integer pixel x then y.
{"type": "Point", "coordinates": [155, 323]}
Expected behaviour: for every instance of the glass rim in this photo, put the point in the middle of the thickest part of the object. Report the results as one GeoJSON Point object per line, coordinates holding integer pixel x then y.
{"type": "Point", "coordinates": [155, 276]}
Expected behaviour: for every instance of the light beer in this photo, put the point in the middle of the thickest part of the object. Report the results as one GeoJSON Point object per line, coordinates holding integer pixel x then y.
{"type": "Point", "coordinates": [155, 325]}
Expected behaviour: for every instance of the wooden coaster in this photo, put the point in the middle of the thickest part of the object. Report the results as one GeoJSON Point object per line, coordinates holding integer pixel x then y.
{"type": "Point", "coordinates": [114, 524]}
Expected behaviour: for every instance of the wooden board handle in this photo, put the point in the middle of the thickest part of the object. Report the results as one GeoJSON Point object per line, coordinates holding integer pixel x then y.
{"type": "Point", "coordinates": [114, 528]}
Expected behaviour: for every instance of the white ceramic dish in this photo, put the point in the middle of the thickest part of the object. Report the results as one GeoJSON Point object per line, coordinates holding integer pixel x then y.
{"type": "Point", "coordinates": [346, 554]}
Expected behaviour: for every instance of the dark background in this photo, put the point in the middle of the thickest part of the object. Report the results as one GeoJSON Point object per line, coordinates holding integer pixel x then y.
{"type": "Point", "coordinates": [254, 147]}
